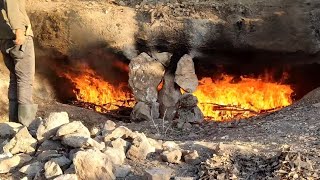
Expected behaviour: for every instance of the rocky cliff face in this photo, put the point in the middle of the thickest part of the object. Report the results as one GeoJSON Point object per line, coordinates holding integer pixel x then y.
{"type": "Point", "coordinates": [264, 25]}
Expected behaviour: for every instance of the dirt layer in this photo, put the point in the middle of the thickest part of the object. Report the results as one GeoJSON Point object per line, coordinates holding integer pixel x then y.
{"type": "Point", "coordinates": [254, 140]}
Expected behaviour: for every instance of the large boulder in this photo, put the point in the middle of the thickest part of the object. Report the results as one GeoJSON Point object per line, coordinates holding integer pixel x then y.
{"type": "Point", "coordinates": [185, 75]}
{"type": "Point", "coordinates": [144, 77]}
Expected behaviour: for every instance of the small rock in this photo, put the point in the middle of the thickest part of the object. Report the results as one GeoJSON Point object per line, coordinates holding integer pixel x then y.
{"type": "Point", "coordinates": [95, 131]}
{"type": "Point", "coordinates": [156, 144]}
{"type": "Point", "coordinates": [48, 127]}
{"type": "Point", "coordinates": [10, 162]}
{"type": "Point", "coordinates": [93, 164]}
{"type": "Point", "coordinates": [78, 141]}
{"type": "Point", "coordinates": [52, 170]}
{"type": "Point", "coordinates": [188, 100]}
{"type": "Point", "coordinates": [62, 161]}
{"type": "Point", "coordinates": [317, 105]}
{"type": "Point", "coordinates": [50, 145]}
{"type": "Point", "coordinates": [9, 129]}
{"type": "Point", "coordinates": [109, 125]}
{"type": "Point", "coordinates": [172, 156]}
{"type": "Point", "coordinates": [121, 144]}
{"type": "Point", "coordinates": [67, 177]}
{"type": "Point", "coordinates": [158, 174]}
{"type": "Point", "coordinates": [70, 170]}
{"type": "Point", "coordinates": [170, 146]}
{"type": "Point", "coordinates": [22, 142]}
{"type": "Point", "coordinates": [192, 158]}
{"type": "Point", "coordinates": [121, 3]}
{"type": "Point", "coordinates": [140, 148]}
{"type": "Point", "coordinates": [120, 132]}
{"type": "Point", "coordinates": [72, 153]}
{"type": "Point", "coordinates": [75, 127]}
{"type": "Point", "coordinates": [32, 169]}
{"type": "Point", "coordinates": [44, 156]}
{"type": "Point", "coordinates": [122, 171]}
{"type": "Point", "coordinates": [187, 126]}
{"type": "Point", "coordinates": [116, 156]}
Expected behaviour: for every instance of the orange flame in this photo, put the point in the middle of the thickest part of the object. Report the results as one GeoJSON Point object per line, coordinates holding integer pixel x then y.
{"type": "Point", "coordinates": [92, 88]}
{"type": "Point", "coordinates": [223, 99]}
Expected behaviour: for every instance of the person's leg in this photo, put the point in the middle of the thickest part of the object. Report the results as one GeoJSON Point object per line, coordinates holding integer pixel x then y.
{"type": "Point", "coordinates": [24, 71]}
{"type": "Point", "coordinates": [12, 91]}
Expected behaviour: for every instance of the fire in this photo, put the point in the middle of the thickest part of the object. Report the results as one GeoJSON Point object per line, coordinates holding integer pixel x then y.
{"type": "Point", "coordinates": [93, 89]}
{"type": "Point", "coordinates": [224, 99]}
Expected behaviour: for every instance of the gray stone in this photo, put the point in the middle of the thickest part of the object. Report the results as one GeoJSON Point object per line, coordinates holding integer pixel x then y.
{"type": "Point", "coordinates": [67, 177]}
{"type": "Point", "coordinates": [192, 157]}
{"type": "Point", "coordinates": [31, 169]}
{"type": "Point", "coordinates": [116, 156]}
{"type": "Point", "coordinates": [52, 170]}
{"type": "Point", "coordinates": [78, 141]}
{"type": "Point", "coordinates": [121, 171]}
{"type": "Point", "coordinates": [11, 162]}
{"type": "Point", "coordinates": [9, 129]}
{"type": "Point", "coordinates": [144, 77]}
{"type": "Point", "coordinates": [50, 145]}
{"type": "Point", "coordinates": [188, 100]}
{"type": "Point", "coordinates": [22, 142]}
{"type": "Point", "coordinates": [72, 153]}
{"type": "Point", "coordinates": [187, 115]}
{"type": "Point", "coordinates": [158, 174]}
{"type": "Point", "coordinates": [140, 148]}
{"type": "Point", "coordinates": [164, 58]}
{"type": "Point", "coordinates": [119, 132]}
{"type": "Point", "coordinates": [185, 75]}
{"type": "Point", "coordinates": [70, 170]}
{"type": "Point", "coordinates": [49, 126]}
{"type": "Point", "coordinates": [141, 112]}
{"type": "Point", "coordinates": [169, 96]}
{"type": "Point", "coordinates": [172, 156]}
{"type": "Point", "coordinates": [93, 164]}
{"type": "Point", "coordinates": [75, 127]}
{"type": "Point", "coordinates": [62, 161]}
{"type": "Point", "coordinates": [46, 155]}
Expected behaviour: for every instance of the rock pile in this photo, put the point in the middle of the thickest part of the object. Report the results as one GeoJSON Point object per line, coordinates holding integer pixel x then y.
{"type": "Point", "coordinates": [146, 73]}
{"type": "Point", "coordinates": [60, 149]}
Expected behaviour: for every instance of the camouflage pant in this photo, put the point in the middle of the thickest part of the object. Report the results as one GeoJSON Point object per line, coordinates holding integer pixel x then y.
{"type": "Point", "coordinates": [20, 60]}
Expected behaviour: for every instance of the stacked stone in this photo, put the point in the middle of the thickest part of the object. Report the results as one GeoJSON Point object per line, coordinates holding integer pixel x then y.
{"type": "Point", "coordinates": [144, 77]}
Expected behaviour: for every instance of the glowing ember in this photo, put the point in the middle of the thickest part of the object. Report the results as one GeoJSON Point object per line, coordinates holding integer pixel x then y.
{"type": "Point", "coordinates": [224, 99]}
{"type": "Point", "coordinates": [92, 88]}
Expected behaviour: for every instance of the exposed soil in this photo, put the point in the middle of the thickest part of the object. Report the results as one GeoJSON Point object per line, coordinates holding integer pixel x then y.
{"type": "Point", "coordinates": [254, 140]}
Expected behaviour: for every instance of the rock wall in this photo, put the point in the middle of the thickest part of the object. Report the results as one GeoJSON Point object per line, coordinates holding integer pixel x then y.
{"type": "Point", "coordinates": [265, 25]}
